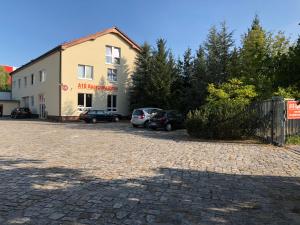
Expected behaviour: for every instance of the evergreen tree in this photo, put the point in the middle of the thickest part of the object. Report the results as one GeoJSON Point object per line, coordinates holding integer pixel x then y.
{"type": "Point", "coordinates": [225, 51]}
{"type": "Point", "coordinates": [218, 47]}
{"type": "Point", "coordinates": [255, 60]}
{"type": "Point", "coordinates": [177, 84]}
{"type": "Point", "coordinates": [199, 81]}
{"type": "Point", "coordinates": [289, 67]}
{"type": "Point", "coordinates": [212, 51]}
{"type": "Point", "coordinates": [139, 97]}
{"type": "Point", "coordinates": [234, 67]}
{"type": "Point", "coordinates": [159, 84]}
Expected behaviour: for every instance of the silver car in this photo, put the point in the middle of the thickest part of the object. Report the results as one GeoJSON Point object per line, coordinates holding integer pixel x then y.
{"type": "Point", "coordinates": [142, 116]}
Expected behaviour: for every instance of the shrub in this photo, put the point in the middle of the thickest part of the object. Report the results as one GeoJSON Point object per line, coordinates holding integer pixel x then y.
{"type": "Point", "coordinates": [293, 140]}
{"type": "Point", "coordinates": [227, 113]}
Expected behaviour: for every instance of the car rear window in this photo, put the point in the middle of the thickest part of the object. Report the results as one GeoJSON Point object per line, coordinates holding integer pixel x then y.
{"type": "Point", "coordinates": [137, 112]}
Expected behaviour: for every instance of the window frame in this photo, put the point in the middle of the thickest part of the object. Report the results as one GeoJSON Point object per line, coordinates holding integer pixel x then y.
{"type": "Point", "coordinates": [112, 99]}
{"type": "Point", "coordinates": [32, 79]}
{"type": "Point", "coordinates": [32, 100]}
{"type": "Point", "coordinates": [42, 76]}
{"type": "Point", "coordinates": [113, 61]}
{"type": "Point", "coordinates": [25, 81]}
{"type": "Point", "coordinates": [84, 72]}
{"type": "Point", "coordinates": [111, 75]}
{"type": "Point", "coordinates": [83, 107]}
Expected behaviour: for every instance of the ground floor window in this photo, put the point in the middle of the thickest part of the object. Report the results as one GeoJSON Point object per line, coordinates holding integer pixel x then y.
{"type": "Point", "coordinates": [111, 103]}
{"type": "Point", "coordinates": [84, 100]}
{"type": "Point", "coordinates": [32, 100]}
{"type": "Point", "coordinates": [26, 101]}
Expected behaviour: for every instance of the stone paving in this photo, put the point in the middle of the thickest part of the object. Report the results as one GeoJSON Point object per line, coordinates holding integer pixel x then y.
{"type": "Point", "coordinates": [110, 173]}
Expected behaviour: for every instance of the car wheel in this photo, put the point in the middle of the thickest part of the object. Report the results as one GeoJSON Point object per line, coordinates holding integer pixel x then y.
{"type": "Point", "coordinates": [146, 124]}
{"type": "Point", "coordinates": [168, 127]}
{"type": "Point", "coordinates": [94, 120]}
{"type": "Point", "coordinates": [116, 119]}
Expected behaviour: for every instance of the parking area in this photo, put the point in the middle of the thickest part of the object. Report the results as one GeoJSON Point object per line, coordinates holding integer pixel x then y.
{"type": "Point", "coordinates": [111, 173]}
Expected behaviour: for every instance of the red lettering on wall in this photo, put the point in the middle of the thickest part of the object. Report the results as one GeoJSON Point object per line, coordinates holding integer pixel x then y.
{"type": "Point", "coordinates": [96, 87]}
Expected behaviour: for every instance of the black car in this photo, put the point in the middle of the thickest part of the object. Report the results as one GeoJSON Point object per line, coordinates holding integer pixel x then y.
{"type": "Point", "coordinates": [21, 113]}
{"type": "Point", "coordinates": [93, 116]}
{"type": "Point", "coordinates": [167, 119]}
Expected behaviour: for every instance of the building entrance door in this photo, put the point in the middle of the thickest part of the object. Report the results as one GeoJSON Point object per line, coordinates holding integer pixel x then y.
{"type": "Point", "coordinates": [42, 111]}
{"type": "Point", "coordinates": [1, 110]}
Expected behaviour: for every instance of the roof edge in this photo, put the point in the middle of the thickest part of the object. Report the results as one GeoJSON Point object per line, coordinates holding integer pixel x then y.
{"type": "Point", "coordinates": [69, 44]}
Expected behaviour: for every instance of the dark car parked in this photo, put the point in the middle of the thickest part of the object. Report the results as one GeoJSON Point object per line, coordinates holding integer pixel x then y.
{"type": "Point", "coordinates": [21, 113]}
{"type": "Point", "coordinates": [93, 116]}
{"type": "Point", "coordinates": [167, 119]}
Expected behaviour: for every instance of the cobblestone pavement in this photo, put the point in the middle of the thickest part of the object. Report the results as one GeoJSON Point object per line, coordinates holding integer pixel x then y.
{"type": "Point", "coordinates": [110, 173]}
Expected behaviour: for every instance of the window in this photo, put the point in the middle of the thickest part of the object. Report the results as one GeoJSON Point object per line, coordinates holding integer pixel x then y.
{"type": "Point", "coordinates": [88, 100]}
{"type": "Point", "coordinates": [32, 100]}
{"type": "Point", "coordinates": [19, 83]}
{"type": "Point", "coordinates": [42, 75]}
{"type": "Point", "coordinates": [112, 75]}
{"type": "Point", "coordinates": [80, 100]}
{"type": "Point", "coordinates": [111, 103]}
{"type": "Point", "coordinates": [25, 101]}
{"type": "Point", "coordinates": [25, 81]}
{"type": "Point", "coordinates": [84, 100]}
{"type": "Point", "coordinates": [85, 72]}
{"type": "Point", "coordinates": [14, 83]}
{"type": "Point", "coordinates": [32, 79]}
{"type": "Point", "coordinates": [112, 55]}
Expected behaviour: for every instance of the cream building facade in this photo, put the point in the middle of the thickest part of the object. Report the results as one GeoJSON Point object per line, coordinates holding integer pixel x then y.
{"type": "Point", "coordinates": [89, 72]}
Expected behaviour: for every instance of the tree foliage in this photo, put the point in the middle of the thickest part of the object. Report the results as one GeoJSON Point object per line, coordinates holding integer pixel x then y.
{"type": "Point", "coordinates": [4, 78]}
{"type": "Point", "coordinates": [264, 60]}
{"type": "Point", "coordinates": [226, 114]}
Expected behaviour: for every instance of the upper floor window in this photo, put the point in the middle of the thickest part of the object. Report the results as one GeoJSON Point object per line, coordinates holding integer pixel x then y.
{"type": "Point", "coordinates": [25, 81]}
{"type": "Point", "coordinates": [112, 75]}
{"type": "Point", "coordinates": [32, 79]}
{"type": "Point", "coordinates": [19, 83]}
{"type": "Point", "coordinates": [14, 84]}
{"type": "Point", "coordinates": [113, 55]}
{"type": "Point", "coordinates": [42, 74]}
{"type": "Point", "coordinates": [85, 72]}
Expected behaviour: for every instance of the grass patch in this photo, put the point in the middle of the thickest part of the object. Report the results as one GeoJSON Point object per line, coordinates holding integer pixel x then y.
{"type": "Point", "coordinates": [293, 140]}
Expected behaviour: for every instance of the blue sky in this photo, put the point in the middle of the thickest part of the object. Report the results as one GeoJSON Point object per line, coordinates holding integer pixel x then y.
{"type": "Point", "coordinates": [31, 27]}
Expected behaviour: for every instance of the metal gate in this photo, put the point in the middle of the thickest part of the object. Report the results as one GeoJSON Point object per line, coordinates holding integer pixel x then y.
{"type": "Point", "coordinates": [275, 126]}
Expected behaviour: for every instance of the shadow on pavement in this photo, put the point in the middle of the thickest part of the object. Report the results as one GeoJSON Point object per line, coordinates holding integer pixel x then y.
{"type": "Point", "coordinates": [33, 194]}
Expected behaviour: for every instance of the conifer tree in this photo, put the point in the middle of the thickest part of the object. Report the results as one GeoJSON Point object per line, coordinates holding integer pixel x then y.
{"type": "Point", "coordinates": [138, 95]}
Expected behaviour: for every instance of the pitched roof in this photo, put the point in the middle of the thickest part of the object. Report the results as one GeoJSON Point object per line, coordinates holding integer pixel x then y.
{"type": "Point", "coordinates": [113, 30]}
